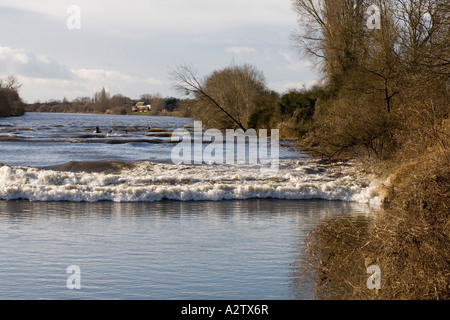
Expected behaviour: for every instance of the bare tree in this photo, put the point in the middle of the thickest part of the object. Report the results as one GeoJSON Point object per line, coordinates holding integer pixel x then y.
{"type": "Point", "coordinates": [392, 73]}
{"type": "Point", "coordinates": [101, 100]}
{"type": "Point", "coordinates": [331, 32]}
{"type": "Point", "coordinates": [226, 96]}
{"type": "Point", "coordinates": [11, 83]}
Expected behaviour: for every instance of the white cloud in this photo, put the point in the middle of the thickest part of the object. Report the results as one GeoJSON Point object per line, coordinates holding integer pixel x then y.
{"type": "Point", "coordinates": [9, 55]}
{"type": "Point", "coordinates": [85, 83]}
{"type": "Point", "coordinates": [18, 61]}
{"type": "Point", "coordinates": [284, 86]}
{"type": "Point", "coordinates": [295, 64]}
{"type": "Point", "coordinates": [130, 46]}
{"type": "Point", "coordinates": [166, 17]}
{"type": "Point", "coordinates": [239, 50]}
{"type": "Point", "coordinates": [118, 82]}
{"type": "Point", "coordinates": [44, 78]}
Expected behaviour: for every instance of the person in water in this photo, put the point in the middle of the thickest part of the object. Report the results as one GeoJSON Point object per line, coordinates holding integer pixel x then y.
{"type": "Point", "coordinates": [97, 130]}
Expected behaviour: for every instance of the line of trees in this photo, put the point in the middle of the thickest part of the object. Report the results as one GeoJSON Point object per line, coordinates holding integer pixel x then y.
{"type": "Point", "coordinates": [103, 102]}
{"type": "Point", "coordinates": [237, 97]}
{"type": "Point", "coordinates": [381, 86]}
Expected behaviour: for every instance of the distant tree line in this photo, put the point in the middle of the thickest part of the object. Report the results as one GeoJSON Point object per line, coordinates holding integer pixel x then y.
{"type": "Point", "coordinates": [241, 90]}
{"type": "Point", "coordinates": [103, 102]}
{"type": "Point", "coordinates": [10, 102]}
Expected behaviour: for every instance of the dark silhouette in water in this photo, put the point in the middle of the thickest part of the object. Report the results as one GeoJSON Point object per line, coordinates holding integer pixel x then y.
{"type": "Point", "coordinates": [97, 130]}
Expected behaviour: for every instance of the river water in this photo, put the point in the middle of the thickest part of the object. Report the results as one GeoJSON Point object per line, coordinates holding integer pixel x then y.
{"type": "Point", "coordinates": [140, 227]}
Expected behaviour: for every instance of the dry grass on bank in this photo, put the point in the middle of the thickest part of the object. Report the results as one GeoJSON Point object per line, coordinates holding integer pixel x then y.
{"type": "Point", "coordinates": [409, 239]}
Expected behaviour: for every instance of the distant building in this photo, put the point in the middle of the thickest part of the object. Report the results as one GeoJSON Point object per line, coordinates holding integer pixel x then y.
{"type": "Point", "coordinates": [141, 107]}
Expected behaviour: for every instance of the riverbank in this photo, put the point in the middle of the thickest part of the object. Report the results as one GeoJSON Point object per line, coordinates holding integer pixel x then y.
{"type": "Point", "coordinates": [408, 239]}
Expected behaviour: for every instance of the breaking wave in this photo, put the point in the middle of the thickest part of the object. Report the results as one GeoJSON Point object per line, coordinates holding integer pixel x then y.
{"type": "Point", "coordinates": [150, 181]}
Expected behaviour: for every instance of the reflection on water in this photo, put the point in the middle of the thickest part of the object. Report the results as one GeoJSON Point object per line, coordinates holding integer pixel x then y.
{"type": "Point", "coordinates": [165, 250]}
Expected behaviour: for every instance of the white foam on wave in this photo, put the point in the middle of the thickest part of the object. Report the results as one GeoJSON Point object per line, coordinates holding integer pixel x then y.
{"type": "Point", "coordinates": [149, 181]}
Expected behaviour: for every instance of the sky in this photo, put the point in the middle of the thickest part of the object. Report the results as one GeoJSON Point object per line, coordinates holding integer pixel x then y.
{"type": "Point", "coordinates": [67, 49]}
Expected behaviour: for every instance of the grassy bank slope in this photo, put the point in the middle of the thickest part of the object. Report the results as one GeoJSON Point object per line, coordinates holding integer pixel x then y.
{"type": "Point", "coordinates": [409, 240]}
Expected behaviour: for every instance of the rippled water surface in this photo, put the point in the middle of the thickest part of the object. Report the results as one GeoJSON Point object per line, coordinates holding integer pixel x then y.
{"type": "Point", "coordinates": [41, 139]}
{"type": "Point", "coordinates": [166, 250]}
{"type": "Point", "coordinates": [141, 227]}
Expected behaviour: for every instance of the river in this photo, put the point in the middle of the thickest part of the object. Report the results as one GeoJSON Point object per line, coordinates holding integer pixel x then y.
{"type": "Point", "coordinates": [140, 227]}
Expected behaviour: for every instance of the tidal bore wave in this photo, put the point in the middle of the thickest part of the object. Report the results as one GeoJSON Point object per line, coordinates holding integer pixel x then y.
{"type": "Point", "coordinates": [151, 181]}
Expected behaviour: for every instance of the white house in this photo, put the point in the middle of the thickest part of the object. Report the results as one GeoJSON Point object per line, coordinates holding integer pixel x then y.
{"type": "Point", "coordinates": [141, 107]}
